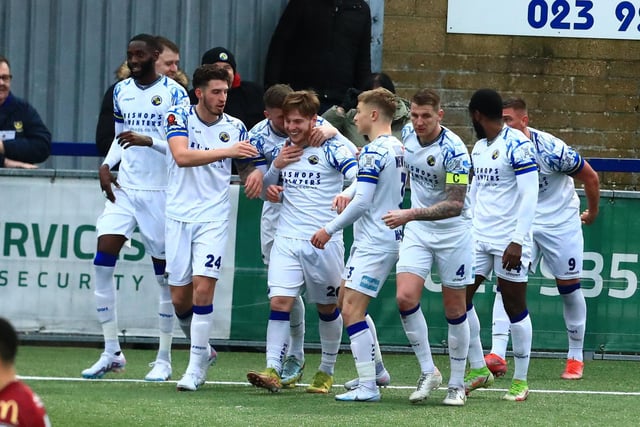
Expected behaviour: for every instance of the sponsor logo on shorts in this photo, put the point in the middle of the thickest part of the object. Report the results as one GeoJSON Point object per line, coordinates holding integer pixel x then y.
{"type": "Point", "coordinates": [370, 283]}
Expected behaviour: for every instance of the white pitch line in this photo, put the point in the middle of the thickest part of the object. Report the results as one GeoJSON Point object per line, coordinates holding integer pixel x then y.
{"type": "Point", "coordinates": [131, 380]}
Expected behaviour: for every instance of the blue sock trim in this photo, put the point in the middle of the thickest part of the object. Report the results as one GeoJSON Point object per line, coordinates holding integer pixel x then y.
{"type": "Point", "coordinates": [203, 309]}
{"type": "Point", "coordinates": [279, 315]}
{"type": "Point", "coordinates": [498, 288]}
{"type": "Point", "coordinates": [105, 260]}
{"type": "Point", "coordinates": [564, 290]}
{"type": "Point", "coordinates": [159, 268]}
{"type": "Point", "coordinates": [357, 327]}
{"type": "Point", "coordinates": [469, 307]}
{"type": "Point", "coordinates": [519, 317]}
{"type": "Point", "coordinates": [410, 311]}
{"type": "Point", "coordinates": [329, 317]}
{"type": "Point", "coordinates": [458, 320]}
{"type": "Point", "coordinates": [185, 314]}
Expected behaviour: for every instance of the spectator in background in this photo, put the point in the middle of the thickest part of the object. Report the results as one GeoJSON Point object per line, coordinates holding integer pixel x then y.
{"type": "Point", "coordinates": [168, 63]}
{"type": "Point", "coordinates": [341, 116]}
{"type": "Point", "coordinates": [324, 45]}
{"type": "Point", "coordinates": [24, 139]}
{"type": "Point", "coordinates": [244, 99]}
{"type": "Point", "coordinates": [20, 406]}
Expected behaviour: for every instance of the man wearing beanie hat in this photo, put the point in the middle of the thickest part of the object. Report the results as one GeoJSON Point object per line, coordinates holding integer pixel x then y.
{"type": "Point", "coordinates": [244, 100]}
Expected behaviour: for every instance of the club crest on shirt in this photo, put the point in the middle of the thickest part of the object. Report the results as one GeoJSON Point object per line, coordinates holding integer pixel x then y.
{"type": "Point", "coordinates": [171, 120]}
{"type": "Point", "coordinates": [431, 160]}
{"type": "Point", "coordinates": [313, 159]}
{"type": "Point", "coordinates": [18, 126]}
{"type": "Point", "coordinates": [156, 100]}
{"type": "Point", "coordinates": [495, 154]}
{"type": "Point", "coordinates": [224, 137]}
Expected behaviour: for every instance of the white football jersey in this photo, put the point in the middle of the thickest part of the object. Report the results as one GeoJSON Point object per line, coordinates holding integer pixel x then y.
{"type": "Point", "coordinates": [310, 186]}
{"type": "Point", "coordinates": [495, 167]}
{"type": "Point", "coordinates": [142, 110]}
{"type": "Point", "coordinates": [381, 162]}
{"type": "Point", "coordinates": [266, 139]}
{"type": "Point", "coordinates": [429, 168]}
{"type": "Point", "coordinates": [558, 202]}
{"type": "Point", "coordinates": [201, 193]}
{"type": "Point", "coordinates": [268, 142]}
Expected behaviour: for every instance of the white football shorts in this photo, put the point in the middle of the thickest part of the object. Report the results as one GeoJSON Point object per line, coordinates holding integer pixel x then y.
{"type": "Point", "coordinates": [296, 263]}
{"type": "Point", "coordinates": [562, 249]}
{"type": "Point", "coordinates": [141, 208]}
{"type": "Point", "coordinates": [452, 250]}
{"type": "Point", "coordinates": [195, 249]}
{"type": "Point", "coordinates": [488, 259]}
{"type": "Point", "coordinates": [367, 269]}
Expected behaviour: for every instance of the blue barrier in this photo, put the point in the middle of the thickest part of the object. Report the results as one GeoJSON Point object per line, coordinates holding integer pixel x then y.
{"type": "Point", "coordinates": [74, 149]}
{"type": "Point", "coordinates": [602, 164]}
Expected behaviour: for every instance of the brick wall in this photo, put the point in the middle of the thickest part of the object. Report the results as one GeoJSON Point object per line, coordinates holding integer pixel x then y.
{"type": "Point", "coordinates": [585, 91]}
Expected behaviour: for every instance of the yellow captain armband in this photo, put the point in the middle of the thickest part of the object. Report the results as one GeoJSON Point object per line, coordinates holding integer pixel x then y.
{"type": "Point", "coordinates": [457, 178]}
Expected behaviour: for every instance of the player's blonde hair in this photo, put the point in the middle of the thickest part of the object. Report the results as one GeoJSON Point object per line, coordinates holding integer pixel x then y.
{"type": "Point", "coordinates": [383, 99]}
{"type": "Point", "coordinates": [306, 102]}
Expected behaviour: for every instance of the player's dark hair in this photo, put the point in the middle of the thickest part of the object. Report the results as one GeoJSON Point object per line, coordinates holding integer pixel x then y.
{"type": "Point", "coordinates": [205, 73]}
{"type": "Point", "coordinates": [166, 43]}
{"type": "Point", "coordinates": [306, 102]}
{"type": "Point", "coordinates": [384, 100]}
{"type": "Point", "coordinates": [427, 97]}
{"type": "Point", "coordinates": [376, 80]}
{"type": "Point", "coordinates": [5, 60]}
{"type": "Point", "coordinates": [8, 342]}
{"type": "Point", "coordinates": [488, 102]}
{"type": "Point", "coordinates": [151, 41]}
{"type": "Point", "coordinates": [515, 103]}
{"type": "Point", "coordinates": [275, 95]}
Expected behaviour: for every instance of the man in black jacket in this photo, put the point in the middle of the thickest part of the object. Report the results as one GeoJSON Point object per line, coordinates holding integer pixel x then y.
{"type": "Point", "coordinates": [324, 45]}
{"type": "Point", "coordinates": [24, 139]}
{"type": "Point", "coordinates": [244, 99]}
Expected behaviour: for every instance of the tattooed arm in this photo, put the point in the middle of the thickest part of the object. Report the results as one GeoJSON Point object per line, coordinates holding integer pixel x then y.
{"type": "Point", "coordinates": [448, 208]}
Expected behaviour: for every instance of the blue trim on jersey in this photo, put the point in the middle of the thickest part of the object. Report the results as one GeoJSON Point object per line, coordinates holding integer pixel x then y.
{"type": "Point", "coordinates": [203, 309]}
{"type": "Point", "coordinates": [105, 260]}
{"type": "Point", "coordinates": [177, 132]}
{"type": "Point", "coordinates": [279, 315]}
{"type": "Point", "coordinates": [526, 169]}
{"type": "Point", "coordinates": [410, 311]}
{"type": "Point", "coordinates": [118, 119]}
{"type": "Point", "coordinates": [578, 168]}
{"type": "Point", "coordinates": [260, 161]}
{"type": "Point", "coordinates": [368, 178]}
{"type": "Point", "coordinates": [348, 165]}
{"type": "Point", "coordinates": [357, 327]}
